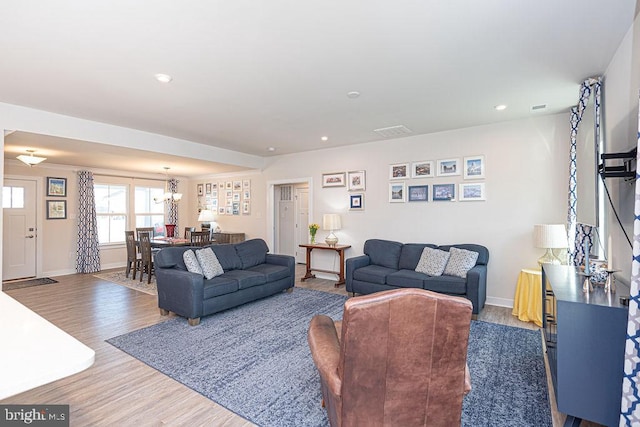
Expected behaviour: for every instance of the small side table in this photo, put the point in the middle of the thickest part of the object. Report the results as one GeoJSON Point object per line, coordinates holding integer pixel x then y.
{"type": "Point", "coordinates": [323, 246]}
{"type": "Point", "coordinates": [527, 304]}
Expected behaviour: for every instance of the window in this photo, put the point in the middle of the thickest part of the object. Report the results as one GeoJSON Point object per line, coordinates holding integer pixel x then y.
{"type": "Point", "coordinates": [149, 213]}
{"type": "Point", "coordinates": [13, 197]}
{"type": "Point", "coordinates": [111, 209]}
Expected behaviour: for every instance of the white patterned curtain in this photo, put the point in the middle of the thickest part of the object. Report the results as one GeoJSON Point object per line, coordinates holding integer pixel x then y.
{"type": "Point", "coordinates": [576, 116]}
{"type": "Point", "coordinates": [630, 408]}
{"type": "Point", "coordinates": [173, 205]}
{"type": "Point", "coordinates": [88, 255]}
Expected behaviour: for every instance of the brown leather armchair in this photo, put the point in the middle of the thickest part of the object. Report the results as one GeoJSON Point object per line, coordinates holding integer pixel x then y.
{"type": "Point", "coordinates": [398, 358]}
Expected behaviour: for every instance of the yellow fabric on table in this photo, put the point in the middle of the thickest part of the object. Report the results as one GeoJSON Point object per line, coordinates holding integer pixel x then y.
{"type": "Point", "coordinates": [527, 304]}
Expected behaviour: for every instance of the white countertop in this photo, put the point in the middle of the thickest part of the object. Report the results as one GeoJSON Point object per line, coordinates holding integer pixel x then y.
{"type": "Point", "coordinates": [33, 351]}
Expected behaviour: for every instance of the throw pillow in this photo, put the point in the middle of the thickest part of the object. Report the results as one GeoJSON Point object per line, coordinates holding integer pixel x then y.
{"type": "Point", "coordinates": [460, 261]}
{"type": "Point", "coordinates": [191, 262]}
{"type": "Point", "coordinates": [209, 263]}
{"type": "Point", "coordinates": [432, 261]}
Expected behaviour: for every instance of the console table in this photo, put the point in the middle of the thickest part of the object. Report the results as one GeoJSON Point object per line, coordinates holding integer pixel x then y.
{"type": "Point", "coordinates": [228, 237]}
{"type": "Point", "coordinates": [323, 246]}
{"type": "Point", "coordinates": [585, 335]}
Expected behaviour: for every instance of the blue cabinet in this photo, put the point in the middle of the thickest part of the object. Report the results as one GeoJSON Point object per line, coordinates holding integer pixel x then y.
{"type": "Point", "coordinates": [585, 337]}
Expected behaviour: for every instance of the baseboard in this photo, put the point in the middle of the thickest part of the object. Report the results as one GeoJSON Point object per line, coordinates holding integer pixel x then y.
{"type": "Point", "coordinates": [113, 265]}
{"type": "Point", "coordinates": [54, 273]}
{"type": "Point", "coordinates": [500, 302]}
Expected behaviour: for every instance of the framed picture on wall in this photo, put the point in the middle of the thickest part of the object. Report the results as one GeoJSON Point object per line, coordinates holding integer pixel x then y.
{"type": "Point", "coordinates": [356, 180]}
{"type": "Point", "coordinates": [473, 167]}
{"type": "Point", "coordinates": [418, 193]}
{"type": "Point", "coordinates": [335, 179]}
{"type": "Point", "coordinates": [356, 202]}
{"type": "Point", "coordinates": [56, 209]}
{"type": "Point", "coordinates": [399, 171]}
{"type": "Point", "coordinates": [397, 192]}
{"type": "Point", "coordinates": [56, 187]}
{"type": "Point", "coordinates": [200, 190]}
{"type": "Point", "coordinates": [422, 169]}
{"type": "Point", "coordinates": [208, 188]}
{"type": "Point", "coordinates": [472, 191]}
{"type": "Point", "coordinates": [448, 167]}
{"type": "Point", "coordinates": [444, 192]}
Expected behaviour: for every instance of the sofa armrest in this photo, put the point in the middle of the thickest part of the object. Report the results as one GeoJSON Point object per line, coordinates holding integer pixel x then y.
{"type": "Point", "coordinates": [325, 350]}
{"type": "Point", "coordinates": [352, 264]}
{"type": "Point", "coordinates": [477, 287]}
{"type": "Point", "coordinates": [180, 291]}
{"type": "Point", "coordinates": [287, 261]}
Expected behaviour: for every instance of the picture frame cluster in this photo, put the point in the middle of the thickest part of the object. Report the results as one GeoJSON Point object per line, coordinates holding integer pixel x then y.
{"type": "Point", "coordinates": [56, 187]}
{"type": "Point", "coordinates": [226, 197]}
{"type": "Point", "coordinates": [471, 168]}
{"type": "Point", "coordinates": [355, 181]}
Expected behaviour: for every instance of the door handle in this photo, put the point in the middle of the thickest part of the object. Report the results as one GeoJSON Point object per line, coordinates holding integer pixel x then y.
{"type": "Point", "coordinates": [29, 237]}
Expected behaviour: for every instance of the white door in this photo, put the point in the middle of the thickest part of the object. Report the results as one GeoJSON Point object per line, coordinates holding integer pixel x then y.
{"type": "Point", "coordinates": [302, 223]}
{"type": "Point", "coordinates": [286, 221]}
{"type": "Point", "coordinates": [19, 229]}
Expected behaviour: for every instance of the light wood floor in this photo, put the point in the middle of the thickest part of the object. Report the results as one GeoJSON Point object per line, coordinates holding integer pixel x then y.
{"type": "Point", "coordinates": [119, 390]}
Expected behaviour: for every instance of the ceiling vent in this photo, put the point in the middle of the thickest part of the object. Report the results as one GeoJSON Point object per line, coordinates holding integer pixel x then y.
{"type": "Point", "coordinates": [393, 131]}
{"type": "Point", "coordinates": [539, 107]}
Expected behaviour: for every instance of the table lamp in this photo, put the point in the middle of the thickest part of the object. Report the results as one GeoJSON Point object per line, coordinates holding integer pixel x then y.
{"type": "Point", "coordinates": [206, 218]}
{"type": "Point", "coordinates": [549, 237]}
{"type": "Point", "coordinates": [332, 223]}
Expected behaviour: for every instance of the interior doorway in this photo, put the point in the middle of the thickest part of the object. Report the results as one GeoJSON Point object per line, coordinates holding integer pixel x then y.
{"type": "Point", "coordinates": [19, 230]}
{"type": "Point", "coordinates": [290, 206]}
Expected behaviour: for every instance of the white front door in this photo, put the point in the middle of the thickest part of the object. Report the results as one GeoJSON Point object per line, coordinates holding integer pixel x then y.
{"type": "Point", "coordinates": [19, 229]}
{"type": "Point", "coordinates": [302, 223]}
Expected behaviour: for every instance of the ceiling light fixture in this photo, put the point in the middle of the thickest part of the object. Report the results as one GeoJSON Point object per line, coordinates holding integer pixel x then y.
{"type": "Point", "coordinates": [164, 78]}
{"type": "Point", "coordinates": [271, 149]}
{"type": "Point", "coordinates": [353, 94]}
{"type": "Point", "coordinates": [325, 138]}
{"type": "Point", "coordinates": [168, 196]}
{"type": "Point", "coordinates": [500, 107]}
{"type": "Point", "coordinates": [31, 159]}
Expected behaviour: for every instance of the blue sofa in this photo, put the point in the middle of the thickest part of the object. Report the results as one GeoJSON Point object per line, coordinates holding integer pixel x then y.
{"type": "Point", "coordinates": [250, 273]}
{"type": "Point", "coordinates": [389, 265]}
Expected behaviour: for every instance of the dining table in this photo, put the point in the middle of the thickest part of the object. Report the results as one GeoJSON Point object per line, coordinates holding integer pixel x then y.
{"type": "Point", "coordinates": [165, 242]}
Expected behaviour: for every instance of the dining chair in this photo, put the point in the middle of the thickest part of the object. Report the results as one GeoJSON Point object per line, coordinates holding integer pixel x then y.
{"type": "Point", "coordinates": [145, 230]}
{"type": "Point", "coordinates": [188, 231]}
{"type": "Point", "coordinates": [134, 259]}
{"type": "Point", "coordinates": [200, 238]}
{"type": "Point", "coordinates": [146, 256]}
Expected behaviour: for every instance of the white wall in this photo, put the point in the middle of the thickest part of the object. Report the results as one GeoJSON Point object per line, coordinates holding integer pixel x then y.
{"type": "Point", "coordinates": [621, 89]}
{"type": "Point", "coordinates": [526, 183]}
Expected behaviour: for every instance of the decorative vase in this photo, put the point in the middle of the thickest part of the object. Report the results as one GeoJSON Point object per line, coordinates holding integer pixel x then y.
{"type": "Point", "coordinates": [170, 229]}
{"type": "Point", "coordinates": [313, 239]}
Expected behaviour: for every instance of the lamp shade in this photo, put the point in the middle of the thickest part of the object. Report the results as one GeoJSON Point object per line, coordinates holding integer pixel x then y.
{"type": "Point", "coordinates": [550, 236]}
{"type": "Point", "coordinates": [206, 216]}
{"type": "Point", "coordinates": [331, 222]}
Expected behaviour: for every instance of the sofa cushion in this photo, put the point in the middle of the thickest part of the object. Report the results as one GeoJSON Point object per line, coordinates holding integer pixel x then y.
{"type": "Point", "coordinates": [219, 285]}
{"type": "Point", "coordinates": [373, 273]}
{"type": "Point", "coordinates": [252, 252]}
{"type": "Point", "coordinates": [460, 261]}
{"type": "Point", "coordinates": [209, 263]}
{"type": "Point", "coordinates": [483, 252]}
{"type": "Point", "coordinates": [272, 272]}
{"type": "Point", "coordinates": [407, 279]}
{"type": "Point", "coordinates": [227, 256]}
{"type": "Point", "coordinates": [385, 253]}
{"type": "Point", "coordinates": [433, 261]}
{"type": "Point", "coordinates": [410, 255]}
{"type": "Point", "coordinates": [191, 261]}
{"type": "Point", "coordinates": [446, 285]}
{"type": "Point", "coordinates": [246, 279]}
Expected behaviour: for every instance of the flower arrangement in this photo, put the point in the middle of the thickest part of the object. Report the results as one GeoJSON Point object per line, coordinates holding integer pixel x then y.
{"type": "Point", "coordinates": [313, 229]}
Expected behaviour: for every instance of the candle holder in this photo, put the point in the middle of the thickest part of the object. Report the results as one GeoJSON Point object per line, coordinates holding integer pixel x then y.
{"type": "Point", "coordinates": [586, 285]}
{"type": "Point", "coordinates": [610, 284]}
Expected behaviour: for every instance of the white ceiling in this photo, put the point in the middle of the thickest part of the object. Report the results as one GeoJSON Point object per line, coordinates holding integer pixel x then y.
{"type": "Point", "coordinates": [248, 75]}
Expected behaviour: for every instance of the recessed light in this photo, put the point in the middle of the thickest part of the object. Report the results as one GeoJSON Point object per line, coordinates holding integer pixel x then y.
{"type": "Point", "coordinates": [271, 149]}
{"type": "Point", "coordinates": [353, 94]}
{"type": "Point", "coordinates": [500, 107]}
{"type": "Point", "coordinates": [325, 138]}
{"type": "Point", "coordinates": [164, 78]}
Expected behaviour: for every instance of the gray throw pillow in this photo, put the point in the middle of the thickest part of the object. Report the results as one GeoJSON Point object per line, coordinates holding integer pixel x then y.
{"type": "Point", "coordinates": [460, 261]}
{"type": "Point", "coordinates": [191, 262]}
{"type": "Point", "coordinates": [209, 263]}
{"type": "Point", "coordinates": [432, 261]}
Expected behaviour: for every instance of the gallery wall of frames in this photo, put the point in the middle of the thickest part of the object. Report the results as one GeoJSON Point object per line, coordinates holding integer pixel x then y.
{"type": "Point", "coordinates": [225, 197]}
{"type": "Point", "coordinates": [454, 179]}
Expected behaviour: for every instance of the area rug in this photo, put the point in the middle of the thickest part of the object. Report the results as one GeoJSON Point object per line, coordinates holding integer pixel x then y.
{"type": "Point", "coordinates": [119, 278]}
{"type": "Point", "coordinates": [255, 361]}
{"type": "Point", "coordinates": [19, 284]}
